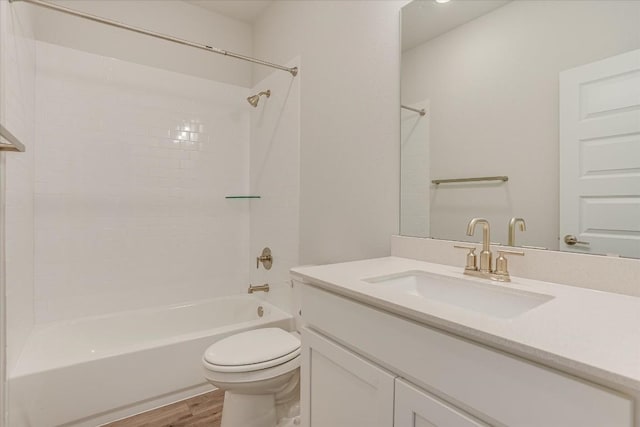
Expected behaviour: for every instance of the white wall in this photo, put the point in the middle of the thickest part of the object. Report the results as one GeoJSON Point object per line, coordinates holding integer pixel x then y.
{"type": "Point", "coordinates": [132, 167]}
{"type": "Point", "coordinates": [493, 88]}
{"type": "Point", "coordinates": [349, 120]}
{"type": "Point", "coordinates": [172, 17]}
{"type": "Point", "coordinates": [17, 70]}
{"type": "Point", "coordinates": [275, 177]}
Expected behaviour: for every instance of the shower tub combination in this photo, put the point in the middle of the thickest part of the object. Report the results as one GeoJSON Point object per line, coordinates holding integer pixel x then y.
{"type": "Point", "coordinates": [93, 370]}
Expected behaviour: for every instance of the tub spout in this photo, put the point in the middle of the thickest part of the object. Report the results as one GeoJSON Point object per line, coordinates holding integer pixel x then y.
{"type": "Point", "coordinates": [258, 288]}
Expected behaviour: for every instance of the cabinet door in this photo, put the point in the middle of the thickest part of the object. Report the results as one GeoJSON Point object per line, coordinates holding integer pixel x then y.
{"type": "Point", "coordinates": [340, 389]}
{"type": "Point", "coordinates": [417, 408]}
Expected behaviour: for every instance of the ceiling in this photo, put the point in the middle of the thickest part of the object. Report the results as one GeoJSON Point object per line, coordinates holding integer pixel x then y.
{"type": "Point", "coordinates": [423, 20]}
{"type": "Point", "coordinates": [242, 10]}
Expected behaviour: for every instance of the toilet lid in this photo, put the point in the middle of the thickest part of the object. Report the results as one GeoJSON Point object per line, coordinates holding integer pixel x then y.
{"type": "Point", "coordinates": [257, 347]}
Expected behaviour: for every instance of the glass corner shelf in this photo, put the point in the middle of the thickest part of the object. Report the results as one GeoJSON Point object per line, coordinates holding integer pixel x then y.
{"type": "Point", "coordinates": [241, 197]}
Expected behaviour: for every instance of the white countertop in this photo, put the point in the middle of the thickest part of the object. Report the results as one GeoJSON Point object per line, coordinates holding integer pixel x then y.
{"type": "Point", "coordinates": [589, 333]}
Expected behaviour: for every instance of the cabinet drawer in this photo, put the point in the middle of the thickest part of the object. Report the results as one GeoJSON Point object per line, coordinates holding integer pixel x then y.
{"type": "Point", "coordinates": [490, 384]}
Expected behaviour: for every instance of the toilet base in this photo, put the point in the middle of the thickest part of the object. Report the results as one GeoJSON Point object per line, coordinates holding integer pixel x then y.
{"type": "Point", "coordinates": [248, 410]}
{"type": "Point", "coordinates": [280, 409]}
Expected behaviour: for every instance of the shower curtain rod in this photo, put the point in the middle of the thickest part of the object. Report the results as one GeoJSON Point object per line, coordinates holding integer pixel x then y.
{"type": "Point", "coordinates": [13, 143]}
{"type": "Point", "coordinates": [421, 112]}
{"type": "Point", "coordinates": [293, 71]}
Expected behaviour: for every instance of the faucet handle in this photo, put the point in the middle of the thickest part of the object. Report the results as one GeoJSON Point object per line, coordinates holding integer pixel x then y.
{"type": "Point", "coordinates": [471, 257]}
{"type": "Point", "coordinates": [265, 258]}
{"type": "Point", "coordinates": [510, 252]}
{"type": "Point", "coordinates": [501, 262]}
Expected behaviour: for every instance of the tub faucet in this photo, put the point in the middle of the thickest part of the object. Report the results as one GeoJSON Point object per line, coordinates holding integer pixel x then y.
{"type": "Point", "coordinates": [258, 288]}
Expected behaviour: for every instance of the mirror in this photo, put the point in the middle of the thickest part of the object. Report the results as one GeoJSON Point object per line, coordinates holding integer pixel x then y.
{"type": "Point", "coordinates": [542, 96]}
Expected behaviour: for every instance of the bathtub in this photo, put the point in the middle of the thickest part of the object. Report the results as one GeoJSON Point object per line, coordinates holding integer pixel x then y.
{"type": "Point", "coordinates": [89, 371]}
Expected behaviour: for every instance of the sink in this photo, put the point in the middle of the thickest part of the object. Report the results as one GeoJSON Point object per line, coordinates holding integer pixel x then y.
{"type": "Point", "coordinates": [490, 299]}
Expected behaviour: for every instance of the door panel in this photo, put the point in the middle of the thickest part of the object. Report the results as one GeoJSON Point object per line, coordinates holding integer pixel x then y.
{"type": "Point", "coordinates": [600, 156]}
{"type": "Point", "coordinates": [417, 408]}
{"type": "Point", "coordinates": [340, 389]}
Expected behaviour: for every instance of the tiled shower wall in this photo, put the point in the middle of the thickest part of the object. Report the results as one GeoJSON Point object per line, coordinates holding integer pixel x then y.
{"type": "Point", "coordinates": [17, 110]}
{"type": "Point", "coordinates": [132, 167]}
{"type": "Point", "coordinates": [415, 181]}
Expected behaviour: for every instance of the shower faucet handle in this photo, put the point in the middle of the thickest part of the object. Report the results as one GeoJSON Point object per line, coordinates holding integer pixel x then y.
{"type": "Point", "coordinates": [266, 259]}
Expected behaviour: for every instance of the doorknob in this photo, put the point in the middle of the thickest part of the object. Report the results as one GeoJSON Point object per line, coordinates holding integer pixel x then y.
{"type": "Point", "coordinates": [571, 240]}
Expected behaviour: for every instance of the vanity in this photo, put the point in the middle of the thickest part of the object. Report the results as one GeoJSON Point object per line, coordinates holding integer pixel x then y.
{"type": "Point", "coordinates": [510, 111]}
{"type": "Point", "coordinates": [402, 342]}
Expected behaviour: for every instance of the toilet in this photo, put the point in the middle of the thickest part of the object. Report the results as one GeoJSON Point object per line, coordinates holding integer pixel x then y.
{"type": "Point", "coordinates": [259, 370]}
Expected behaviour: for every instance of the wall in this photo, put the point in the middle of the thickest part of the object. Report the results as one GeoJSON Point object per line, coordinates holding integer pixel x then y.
{"type": "Point", "coordinates": [17, 113]}
{"type": "Point", "coordinates": [172, 17]}
{"type": "Point", "coordinates": [275, 177]}
{"type": "Point", "coordinates": [349, 120]}
{"type": "Point", "coordinates": [133, 164]}
{"type": "Point", "coordinates": [494, 107]}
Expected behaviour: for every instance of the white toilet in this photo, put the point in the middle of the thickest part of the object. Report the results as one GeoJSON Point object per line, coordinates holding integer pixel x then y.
{"type": "Point", "coordinates": [259, 370]}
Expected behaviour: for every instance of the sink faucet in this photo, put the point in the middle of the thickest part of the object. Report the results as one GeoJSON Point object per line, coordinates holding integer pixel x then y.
{"type": "Point", "coordinates": [512, 229]}
{"type": "Point", "coordinates": [500, 273]}
{"type": "Point", "coordinates": [485, 255]}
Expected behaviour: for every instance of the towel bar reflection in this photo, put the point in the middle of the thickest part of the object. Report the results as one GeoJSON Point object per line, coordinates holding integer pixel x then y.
{"type": "Point", "coordinates": [12, 144]}
{"type": "Point", "coordinates": [481, 178]}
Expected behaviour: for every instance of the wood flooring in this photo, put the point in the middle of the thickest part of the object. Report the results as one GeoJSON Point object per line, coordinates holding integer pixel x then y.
{"type": "Point", "coordinates": [204, 410]}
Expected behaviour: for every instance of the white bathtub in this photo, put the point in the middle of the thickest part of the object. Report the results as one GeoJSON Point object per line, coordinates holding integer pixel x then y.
{"type": "Point", "coordinates": [93, 370]}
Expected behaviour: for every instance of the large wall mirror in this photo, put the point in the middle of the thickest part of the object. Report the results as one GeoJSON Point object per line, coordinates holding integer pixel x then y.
{"type": "Point", "coordinates": [523, 109]}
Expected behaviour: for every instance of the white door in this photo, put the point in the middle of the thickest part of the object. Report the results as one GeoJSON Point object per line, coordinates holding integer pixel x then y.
{"type": "Point", "coordinates": [341, 389]}
{"type": "Point", "coordinates": [417, 408]}
{"type": "Point", "coordinates": [600, 156]}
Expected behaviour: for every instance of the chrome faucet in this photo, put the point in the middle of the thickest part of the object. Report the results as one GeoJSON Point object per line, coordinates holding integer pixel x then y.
{"type": "Point", "coordinates": [500, 273]}
{"type": "Point", "coordinates": [512, 229]}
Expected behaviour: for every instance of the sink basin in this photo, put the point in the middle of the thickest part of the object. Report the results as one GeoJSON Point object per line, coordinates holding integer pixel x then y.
{"type": "Point", "coordinates": [493, 300]}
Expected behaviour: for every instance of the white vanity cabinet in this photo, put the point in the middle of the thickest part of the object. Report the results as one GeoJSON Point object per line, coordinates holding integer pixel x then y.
{"type": "Point", "coordinates": [440, 379]}
{"type": "Point", "coordinates": [341, 389]}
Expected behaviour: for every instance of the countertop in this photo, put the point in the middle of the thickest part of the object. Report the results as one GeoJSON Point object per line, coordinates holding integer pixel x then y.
{"type": "Point", "coordinates": [588, 333]}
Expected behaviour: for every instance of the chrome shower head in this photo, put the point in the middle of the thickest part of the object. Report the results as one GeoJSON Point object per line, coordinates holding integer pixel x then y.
{"type": "Point", "coordinates": [253, 100]}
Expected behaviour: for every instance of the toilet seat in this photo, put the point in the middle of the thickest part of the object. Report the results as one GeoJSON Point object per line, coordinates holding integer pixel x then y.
{"type": "Point", "coordinates": [252, 350]}
{"type": "Point", "coordinates": [247, 377]}
{"type": "Point", "coordinates": [253, 366]}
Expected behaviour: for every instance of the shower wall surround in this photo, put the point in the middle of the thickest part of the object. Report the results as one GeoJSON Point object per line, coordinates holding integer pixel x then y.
{"type": "Point", "coordinates": [275, 176]}
{"type": "Point", "coordinates": [132, 165]}
{"type": "Point", "coordinates": [17, 113]}
{"type": "Point", "coordinates": [414, 174]}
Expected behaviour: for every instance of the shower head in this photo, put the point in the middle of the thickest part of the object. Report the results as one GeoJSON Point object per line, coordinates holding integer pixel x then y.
{"type": "Point", "coordinates": [253, 100]}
